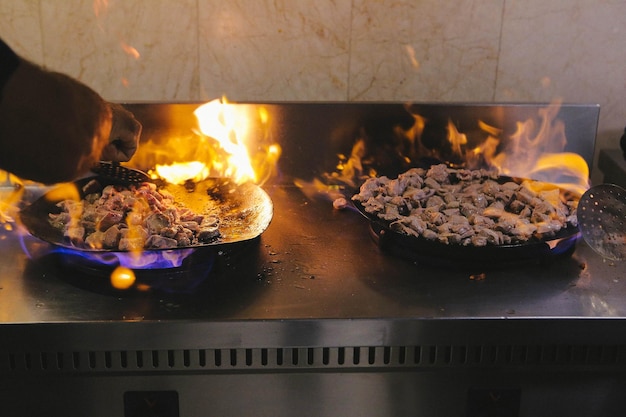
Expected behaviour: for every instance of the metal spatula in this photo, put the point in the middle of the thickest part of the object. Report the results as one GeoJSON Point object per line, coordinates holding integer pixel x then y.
{"type": "Point", "coordinates": [602, 220]}
{"type": "Point", "coordinates": [119, 174]}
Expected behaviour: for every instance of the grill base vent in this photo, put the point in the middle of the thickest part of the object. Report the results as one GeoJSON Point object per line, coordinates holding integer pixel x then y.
{"type": "Point", "coordinates": [298, 358]}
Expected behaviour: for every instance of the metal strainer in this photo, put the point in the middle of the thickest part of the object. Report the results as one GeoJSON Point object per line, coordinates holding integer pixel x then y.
{"type": "Point", "coordinates": [601, 217]}
{"type": "Point", "coordinates": [119, 174]}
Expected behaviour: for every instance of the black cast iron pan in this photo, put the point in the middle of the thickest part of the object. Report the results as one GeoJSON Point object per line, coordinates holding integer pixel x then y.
{"type": "Point", "coordinates": [245, 210]}
{"type": "Point", "coordinates": [433, 252]}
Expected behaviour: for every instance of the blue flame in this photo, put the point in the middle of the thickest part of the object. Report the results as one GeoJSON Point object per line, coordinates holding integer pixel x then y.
{"type": "Point", "coordinates": [142, 260]}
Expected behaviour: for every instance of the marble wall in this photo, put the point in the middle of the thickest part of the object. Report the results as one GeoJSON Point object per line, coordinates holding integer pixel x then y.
{"type": "Point", "coordinates": [334, 50]}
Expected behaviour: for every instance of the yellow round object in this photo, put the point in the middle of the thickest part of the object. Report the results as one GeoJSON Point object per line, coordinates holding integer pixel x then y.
{"type": "Point", "coordinates": [122, 278]}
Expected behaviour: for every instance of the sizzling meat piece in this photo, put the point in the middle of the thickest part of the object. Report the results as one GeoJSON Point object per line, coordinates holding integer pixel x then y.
{"type": "Point", "coordinates": [133, 218]}
{"type": "Point", "coordinates": [467, 207]}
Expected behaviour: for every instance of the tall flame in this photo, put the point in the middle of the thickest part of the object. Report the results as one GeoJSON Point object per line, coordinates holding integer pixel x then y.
{"type": "Point", "coordinates": [456, 138]}
{"type": "Point", "coordinates": [220, 121]}
{"type": "Point", "coordinates": [230, 141]}
{"type": "Point", "coordinates": [537, 153]}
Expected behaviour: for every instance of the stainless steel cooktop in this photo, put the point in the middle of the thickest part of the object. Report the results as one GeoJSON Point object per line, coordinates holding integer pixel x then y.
{"type": "Point", "coordinates": [315, 307]}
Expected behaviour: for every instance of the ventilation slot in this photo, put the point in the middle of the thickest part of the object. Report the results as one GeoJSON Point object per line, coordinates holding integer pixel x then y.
{"type": "Point", "coordinates": [424, 356]}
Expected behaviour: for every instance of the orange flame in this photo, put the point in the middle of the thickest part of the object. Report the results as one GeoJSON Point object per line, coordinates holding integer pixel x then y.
{"type": "Point", "coordinates": [535, 151]}
{"type": "Point", "coordinates": [540, 155]}
{"type": "Point", "coordinates": [11, 191]}
{"type": "Point", "coordinates": [230, 141]}
{"type": "Point", "coordinates": [220, 121]}
{"type": "Point", "coordinates": [456, 138]}
{"type": "Point", "coordinates": [181, 172]}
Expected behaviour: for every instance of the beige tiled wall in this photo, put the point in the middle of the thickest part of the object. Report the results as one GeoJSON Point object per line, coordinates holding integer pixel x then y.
{"type": "Point", "coordinates": [334, 50]}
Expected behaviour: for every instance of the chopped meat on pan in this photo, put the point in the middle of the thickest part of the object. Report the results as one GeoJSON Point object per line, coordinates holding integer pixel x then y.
{"type": "Point", "coordinates": [467, 207]}
{"type": "Point", "coordinates": [133, 218]}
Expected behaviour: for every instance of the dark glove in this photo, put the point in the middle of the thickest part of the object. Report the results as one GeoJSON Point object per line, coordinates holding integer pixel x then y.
{"type": "Point", "coordinates": [53, 128]}
{"type": "Point", "coordinates": [124, 137]}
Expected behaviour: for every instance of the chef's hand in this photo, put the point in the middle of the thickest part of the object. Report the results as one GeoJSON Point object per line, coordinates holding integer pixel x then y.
{"type": "Point", "coordinates": [124, 137]}
{"type": "Point", "coordinates": [53, 128]}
